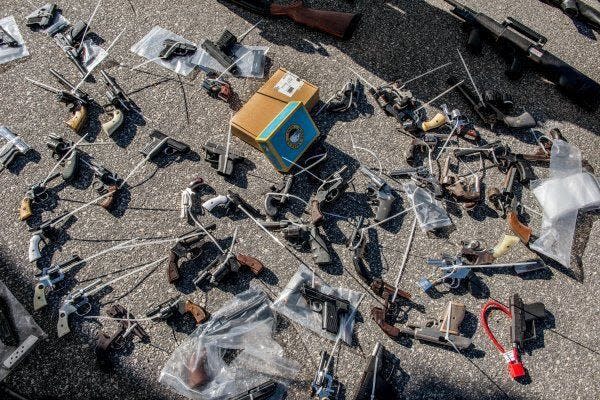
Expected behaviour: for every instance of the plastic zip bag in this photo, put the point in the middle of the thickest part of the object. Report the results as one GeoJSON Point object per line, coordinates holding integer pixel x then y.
{"type": "Point", "coordinates": [577, 191]}
{"type": "Point", "coordinates": [430, 213]}
{"type": "Point", "coordinates": [8, 53]}
{"type": "Point", "coordinates": [556, 235]}
{"type": "Point", "coordinates": [249, 65]}
{"type": "Point", "coordinates": [26, 330]}
{"type": "Point", "coordinates": [151, 45]}
{"type": "Point", "coordinates": [58, 23]}
{"type": "Point", "coordinates": [92, 55]}
{"type": "Point", "coordinates": [292, 304]}
{"type": "Point", "coordinates": [231, 353]}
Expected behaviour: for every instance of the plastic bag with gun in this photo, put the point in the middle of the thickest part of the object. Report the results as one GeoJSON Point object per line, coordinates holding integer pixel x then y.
{"type": "Point", "coordinates": [232, 356]}
{"type": "Point", "coordinates": [13, 147]}
{"type": "Point", "coordinates": [317, 306]}
{"type": "Point", "coordinates": [12, 45]}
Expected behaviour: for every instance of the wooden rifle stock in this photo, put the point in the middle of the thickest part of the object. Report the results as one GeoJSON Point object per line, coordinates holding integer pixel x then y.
{"type": "Point", "coordinates": [335, 23]}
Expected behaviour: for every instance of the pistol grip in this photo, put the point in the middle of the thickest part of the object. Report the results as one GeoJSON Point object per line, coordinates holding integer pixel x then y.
{"type": "Point", "coordinates": [438, 120]}
{"type": "Point", "coordinates": [504, 246]}
{"type": "Point", "coordinates": [197, 375]}
{"type": "Point", "coordinates": [455, 313]}
{"type": "Point", "coordinates": [34, 248]}
{"type": "Point", "coordinates": [115, 122]}
{"type": "Point", "coordinates": [518, 228]}
{"type": "Point", "coordinates": [39, 297]}
{"type": "Point", "coordinates": [25, 209]}
{"type": "Point", "coordinates": [173, 268]}
{"type": "Point", "coordinates": [62, 327]}
{"type": "Point", "coordinates": [109, 200]}
{"type": "Point", "coordinates": [71, 164]}
{"type": "Point", "coordinates": [315, 212]}
{"type": "Point", "coordinates": [199, 313]}
{"type": "Point", "coordinates": [252, 263]}
{"type": "Point", "coordinates": [79, 117]}
{"type": "Point", "coordinates": [330, 318]}
{"type": "Point", "coordinates": [522, 121]}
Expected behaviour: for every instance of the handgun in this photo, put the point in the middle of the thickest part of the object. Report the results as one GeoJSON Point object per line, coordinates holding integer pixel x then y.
{"type": "Point", "coordinates": [379, 194]}
{"type": "Point", "coordinates": [173, 48]}
{"type": "Point", "coordinates": [161, 142]}
{"type": "Point", "coordinates": [330, 307]}
{"type": "Point", "coordinates": [165, 311]}
{"type": "Point", "coordinates": [6, 39]}
{"type": "Point", "coordinates": [118, 102]}
{"type": "Point", "coordinates": [189, 248]}
{"type": "Point", "coordinates": [69, 41]}
{"type": "Point", "coordinates": [42, 17]}
{"type": "Point", "coordinates": [15, 146]}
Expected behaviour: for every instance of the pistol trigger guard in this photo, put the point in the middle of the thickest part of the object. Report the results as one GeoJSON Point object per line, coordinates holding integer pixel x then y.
{"type": "Point", "coordinates": [169, 151]}
{"type": "Point", "coordinates": [84, 310]}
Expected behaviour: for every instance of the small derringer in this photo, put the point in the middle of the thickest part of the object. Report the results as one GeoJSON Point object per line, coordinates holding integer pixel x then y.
{"type": "Point", "coordinates": [330, 307]}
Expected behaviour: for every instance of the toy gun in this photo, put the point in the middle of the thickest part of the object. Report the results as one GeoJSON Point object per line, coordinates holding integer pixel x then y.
{"type": "Point", "coordinates": [444, 331]}
{"type": "Point", "coordinates": [324, 385]}
{"type": "Point", "coordinates": [49, 277]}
{"type": "Point", "coordinates": [172, 48]}
{"type": "Point", "coordinates": [299, 235]}
{"type": "Point", "coordinates": [220, 159]}
{"type": "Point", "coordinates": [42, 17]}
{"type": "Point", "coordinates": [118, 101]}
{"type": "Point", "coordinates": [379, 194]}
{"type": "Point", "coordinates": [15, 145]}
{"type": "Point", "coordinates": [76, 302]}
{"type": "Point", "coordinates": [330, 307]}
{"type": "Point", "coordinates": [373, 385]}
{"type": "Point", "coordinates": [165, 311]}
{"type": "Point", "coordinates": [6, 39]}
{"type": "Point", "coordinates": [338, 24]}
{"type": "Point", "coordinates": [578, 10]}
{"type": "Point", "coordinates": [329, 191]}
{"type": "Point", "coordinates": [421, 176]}
{"type": "Point", "coordinates": [35, 194]}
{"type": "Point", "coordinates": [161, 142]}
{"type": "Point", "coordinates": [227, 263]}
{"type": "Point", "coordinates": [356, 244]}
{"type": "Point", "coordinates": [260, 392]}
{"type": "Point", "coordinates": [523, 45]}
{"type": "Point", "coordinates": [494, 107]}
{"type": "Point", "coordinates": [272, 202]}
{"type": "Point", "coordinates": [8, 331]}
{"type": "Point", "coordinates": [104, 182]}
{"type": "Point", "coordinates": [189, 248]}
{"type": "Point", "coordinates": [105, 342]}
{"type": "Point", "coordinates": [64, 150]}
{"type": "Point", "coordinates": [522, 328]}
{"type": "Point", "coordinates": [69, 41]}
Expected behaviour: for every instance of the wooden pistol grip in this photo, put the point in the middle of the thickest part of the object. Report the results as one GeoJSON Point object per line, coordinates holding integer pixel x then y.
{"type": "Point", "coordinates": [438, 120]}
{"type": "Point", "coordinates": [252, 263]}
{"type": "Point", "coordinates": [455, 313]}
{"type": "Point", "coordinates": [315, 212]}
{"type": "Point", "coordinates": [200, 314]}
{"type": "Point", "coordinates": [197, 375]}
{"type": "Point", "coordinates": [522, 231]}
{"type": "Point", "coordinates": [173, 268]}
{"type": "Point", "coordinates": [378, 315]}
{"type": "Point", "coordinates": [78, 120]}
{"type": "Point", "coordinates": [386, 290]}
{"type": "Point", "coordinates": [25, 209]}
{"type": "Point", "coordinates": [109, 200]}
{"type": "Point", "coordinates": [338, 24]}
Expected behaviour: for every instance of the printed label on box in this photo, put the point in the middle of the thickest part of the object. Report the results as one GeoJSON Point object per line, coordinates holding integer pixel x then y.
{"type": "Point", "coordinates": [289, 84]}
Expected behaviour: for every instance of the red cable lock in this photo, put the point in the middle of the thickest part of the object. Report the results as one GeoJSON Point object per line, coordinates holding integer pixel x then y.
{"type": "Point", "coordinates": [516, 369]}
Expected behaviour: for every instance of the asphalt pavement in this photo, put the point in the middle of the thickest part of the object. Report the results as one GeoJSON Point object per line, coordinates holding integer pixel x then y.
{"type": "Point", "coordinates": [394, 40]}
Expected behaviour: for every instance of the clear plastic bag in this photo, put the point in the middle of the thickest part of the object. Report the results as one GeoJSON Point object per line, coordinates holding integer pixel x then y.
{"type": "Point", "coordinates": [576, 191]}
{"type": "Point", "coordinates": [8, 53]}
{"type": "Point", "coordinates": [249, 65]}
{"type": "Point", "coordinates": [292, 304]}
{"type": "Point", "coordinates": [93, 55]}
{"type": "Point", "coordinates": [556, 235]}
{"type": "Point", "coordinates": [25, 328]}
{"type": "Point", "coordinates": [56, 25]}
{"type": "Point", "coordinates": [231, 353]}
{"type": "Point", "coordinates": [429, 212]}
{"type": "Point", "coordinates": [151, 45]}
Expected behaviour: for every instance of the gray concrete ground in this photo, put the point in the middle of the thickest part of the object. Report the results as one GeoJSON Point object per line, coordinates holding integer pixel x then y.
{"type": "Point", "coordinates": [395, 40]}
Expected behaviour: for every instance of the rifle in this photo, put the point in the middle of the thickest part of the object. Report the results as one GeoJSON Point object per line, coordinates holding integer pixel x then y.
{"type": "Point", "coordinates": [338, 24]}
{"type": "Point", "coordinates": [522, 45]}
{"type": "Point", "coordinates": [578, 10]}
{"type": "Point", "coordinates": [118, 101]}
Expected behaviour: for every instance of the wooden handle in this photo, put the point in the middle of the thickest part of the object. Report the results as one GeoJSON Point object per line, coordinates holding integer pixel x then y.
{"type": "Point", "coordinates": [315, 212]}
{"type": "Point", "coordinates": [107, 202]}
{"type": "Point", "coordinates": [518, 228]}
{"type": "Point", "coordinates": [455, 313]}
{"type": "Point", "coordinates": [378, 315]}
{"type": "Point", "coordinates": [173, 268]}
{"type": "Point", "coordinates": [200, 314]}
{"type": "Point", "coordinates": [197, 375]}
{"type": "Point", "coordinates": [25, 209]}
{"type": "Point", "coordinates": [252, 263]}
{"type": "Point", "coordinates": [78, 120]}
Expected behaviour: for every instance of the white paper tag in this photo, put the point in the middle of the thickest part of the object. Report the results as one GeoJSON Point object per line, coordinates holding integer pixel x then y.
{"type": "Point", "coordinates": [289, 84]}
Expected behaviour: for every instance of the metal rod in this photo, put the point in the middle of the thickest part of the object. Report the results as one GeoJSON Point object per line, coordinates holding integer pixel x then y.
{"type": "Point", "coordinates": [439, 95]}
{"type": "Point", "coordinates": [405, 258]}
{"type": "Point", "coordinates": [87, 26]}
{"type": "Point", "coordinates": [470, 77]}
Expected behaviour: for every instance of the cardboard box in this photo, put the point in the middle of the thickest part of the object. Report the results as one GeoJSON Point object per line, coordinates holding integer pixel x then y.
{"type": "Point", "coordinates": [288, 136]}
{"type": "Point", "coordinates": [282, 88]}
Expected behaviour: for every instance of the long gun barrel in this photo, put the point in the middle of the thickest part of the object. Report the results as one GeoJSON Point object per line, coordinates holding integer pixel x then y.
{"type": "Point", "coordinates": [521, 44]}
{"type": "Point", "coordinates": [578, 10]}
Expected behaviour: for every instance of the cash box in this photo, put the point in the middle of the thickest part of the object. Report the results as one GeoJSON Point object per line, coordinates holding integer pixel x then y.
{"type": "Point", "coordinates": [288, 136]}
